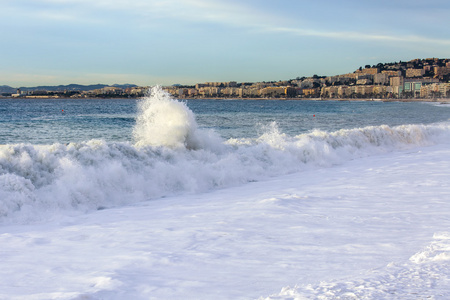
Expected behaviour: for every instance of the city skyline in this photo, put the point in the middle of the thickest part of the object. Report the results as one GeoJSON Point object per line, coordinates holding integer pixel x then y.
{"type": "Point", "coordinates": [52, 42]}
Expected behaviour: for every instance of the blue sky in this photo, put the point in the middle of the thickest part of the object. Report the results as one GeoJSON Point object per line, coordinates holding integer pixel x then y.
{"type": "Point", "coordinates": [149, 42]}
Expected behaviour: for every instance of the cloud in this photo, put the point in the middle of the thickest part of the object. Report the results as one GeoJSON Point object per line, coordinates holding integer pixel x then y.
{"type": "Point", "coordinates": [348, 35]}
{"type": "Point", "coordinates": [211, 11]}
{"type": "Point", "coordinates": [239, 15]}
{"type": "Point", "coordinates": [224, 13]}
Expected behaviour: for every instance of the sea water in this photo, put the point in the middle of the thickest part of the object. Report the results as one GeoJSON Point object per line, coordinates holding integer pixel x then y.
{"type": "Point", "coordinates": [158, 198]}
{"type": "Point", "coordinates": [48, 121]}
{"type": "Point", "coordinates": [88, 154]}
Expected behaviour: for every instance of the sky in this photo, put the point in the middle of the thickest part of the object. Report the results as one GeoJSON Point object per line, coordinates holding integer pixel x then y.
{"type": "Point", "coordinates": [148, 42]}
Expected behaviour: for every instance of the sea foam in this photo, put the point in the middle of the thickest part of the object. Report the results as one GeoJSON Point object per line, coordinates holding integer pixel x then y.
{"type": "Point", "coordinates": [171, 155]}
{"type": "Point", "coordinates": [164, 121]}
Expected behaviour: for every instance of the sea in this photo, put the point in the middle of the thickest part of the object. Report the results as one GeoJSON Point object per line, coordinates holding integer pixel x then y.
{"type": "Point", "coordinates": [50, 121]}
{"type": "Point", "coordinates": [164, 198]}
{"type": "Point", "coordinates": [155, 141]}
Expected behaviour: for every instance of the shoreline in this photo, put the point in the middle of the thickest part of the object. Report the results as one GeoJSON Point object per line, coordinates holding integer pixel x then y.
{"type": "Point", "coordinates": [434, 100]}
{"type": "Point", "coordinates": [446, 100]}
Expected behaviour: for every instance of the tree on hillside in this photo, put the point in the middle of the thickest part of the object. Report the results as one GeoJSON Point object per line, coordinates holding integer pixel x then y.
{"type": "Point", "coordinates": [380, 66]}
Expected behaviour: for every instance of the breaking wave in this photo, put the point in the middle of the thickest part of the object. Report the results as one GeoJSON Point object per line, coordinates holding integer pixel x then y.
{"type": "Point", "coordinates": [171, 155]}
{"type": "Point", "coordinates": [163, 121]}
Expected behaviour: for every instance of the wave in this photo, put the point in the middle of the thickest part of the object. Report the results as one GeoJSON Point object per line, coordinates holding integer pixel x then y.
{"type": "Point", "coordinates": [171, 155]}
{"type": "Point", "coordinates": [164, 121]}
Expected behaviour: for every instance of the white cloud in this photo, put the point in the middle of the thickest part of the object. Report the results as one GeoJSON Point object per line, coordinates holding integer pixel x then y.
{"type": "Point", "coordinates": [226, 13]}
{"type": "Point", "coordinates": [345, 35]}
{"type": "Point", "coordinates": [239, 15]}
{"type": "Point", "coordinates": [221, 12]}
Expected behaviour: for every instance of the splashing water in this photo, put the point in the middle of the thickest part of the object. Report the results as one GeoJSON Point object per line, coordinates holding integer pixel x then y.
{"type": "Point", "coordinates": [163, 121]}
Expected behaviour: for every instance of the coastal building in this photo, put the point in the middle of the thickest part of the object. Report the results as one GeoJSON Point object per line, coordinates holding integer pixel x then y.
{"type": "Point", "coordinates": [249, 92]}
{"type": "Point", "coordinates": [364, 81]}
{"type": "Point", "coordinates": [17, 94]}
{"type": "Point", "coordinates": [137, 91]}
{"type": "Point", "coordinates": [290, 92]}
{"type": "Point", "coordinates": [370, 71]}
{"type": "Point", "coordinates": [192, 93]}
{"type": "Point", "coordinates": [441, 71]}
{"type": "Point", "coordinates": [444, 89]}
{"type": "Point", "coordinates": [381, 78]}
{"type": "Point", "coordinates": [107, 90]}
{"type": "Point", "coordinates": [350, 75]}
{"type": "Point", "coordinates": [311, 92]}
{"type": "Point", "coordinates": [310, 83]}
{"type": "Point", "coordinates": [329, 92]}
{"type": "Point", "coordinates": [333, 79]}
{"type": "Point", "coordinates": [392, 73]}
{"type": "Point", "coordinates": [397, 84]}
{"type": "Point", "coordinates": [367, 90]}
{"type": "Point", "coordinates": [209, 91]}
{"type": "Point", "coordinates": [344, 91]}
{"type": "Point", "coordinates": [435, 90]}
{"type": "Point", "coordinates": [379, 91]}
{"type": "Point", "coordinates": [410, 87]}
{"type": "Point", "coordinates": [426, 91]}
{"type": "Point", "coordinates": [230, 92]}
{"type": "Point", "coordinates": [411, 73]}
{"type": "Point", "coordinates": [216, 84]}
{"type": "Point", "coordinates": [273, 92]}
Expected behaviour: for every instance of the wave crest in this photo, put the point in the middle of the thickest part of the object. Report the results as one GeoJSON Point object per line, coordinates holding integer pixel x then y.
{"type": "Point", "coordinates": [164, 121]}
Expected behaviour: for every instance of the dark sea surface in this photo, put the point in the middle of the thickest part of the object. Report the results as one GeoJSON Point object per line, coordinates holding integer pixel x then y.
{"type": "Point", "coordinates": [47, 121]}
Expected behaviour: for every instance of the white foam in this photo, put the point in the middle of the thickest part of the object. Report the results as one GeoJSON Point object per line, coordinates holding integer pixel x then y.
{"type": "Point", "coordinates": [371, 228]}
{"type": "Point", "coordinates": [164, 121]}
{"type": "Point", "coordinates": [424, 276]}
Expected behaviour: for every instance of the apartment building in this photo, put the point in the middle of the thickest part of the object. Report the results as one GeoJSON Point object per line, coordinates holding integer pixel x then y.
{"type": "Point", "coordinates": [441, 71]}
{"type": "Point", "coordinates": [410, 73]}
{"type": "Point", "coordinates": [381, 78]}
{"type": "Point", "coordinates": [392, 73]}
{"type": "Point", "coordinates": [371, 71]}
{"type": "Point", "coordinates": [270, 92]}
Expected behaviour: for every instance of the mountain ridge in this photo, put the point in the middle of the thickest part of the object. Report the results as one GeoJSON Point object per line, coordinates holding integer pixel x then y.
{"type": "Point", "coordinates": [62, 88]}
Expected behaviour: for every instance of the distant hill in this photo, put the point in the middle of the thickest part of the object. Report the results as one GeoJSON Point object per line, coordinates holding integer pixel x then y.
{"type": "Point", "coordinates": [7, 89]}
{"type": "Point", "coordinates": [61, 88]}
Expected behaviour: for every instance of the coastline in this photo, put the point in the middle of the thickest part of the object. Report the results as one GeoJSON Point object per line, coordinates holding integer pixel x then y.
{"type": "Point", "coordinates": [434, 100]}
{"type": "Point", "coordinates": [326, 99]}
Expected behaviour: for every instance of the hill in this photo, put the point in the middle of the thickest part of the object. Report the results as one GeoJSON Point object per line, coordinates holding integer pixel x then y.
{"type": "Point", "coordinates": [62, 88]}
